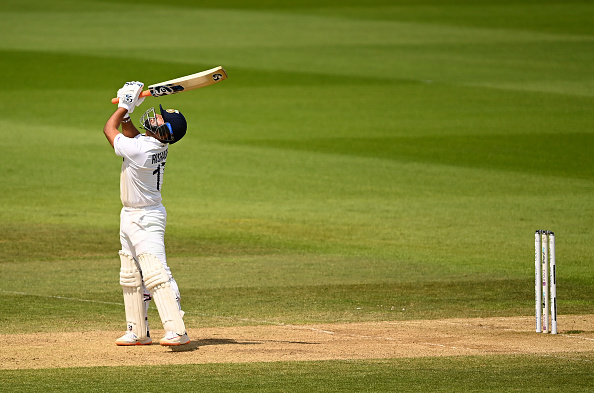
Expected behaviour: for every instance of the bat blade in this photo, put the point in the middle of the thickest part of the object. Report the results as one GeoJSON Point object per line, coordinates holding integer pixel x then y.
{"type": "Point", "coordinates": [185, 83]}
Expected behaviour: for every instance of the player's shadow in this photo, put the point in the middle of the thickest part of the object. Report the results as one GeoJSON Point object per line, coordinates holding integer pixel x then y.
{"type": "Point", "coordinates": [196, 344]}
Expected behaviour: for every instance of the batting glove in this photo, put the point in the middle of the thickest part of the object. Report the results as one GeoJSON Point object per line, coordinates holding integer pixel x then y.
{"type": "Point", "coordinates": [128, 95]}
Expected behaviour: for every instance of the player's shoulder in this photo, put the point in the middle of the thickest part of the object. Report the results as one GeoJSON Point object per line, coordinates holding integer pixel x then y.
{"type": "Point", "coordinates": [124, 141]}
{"type": "Point", "coordinates": [126, 146]}
{"type": "Point", "coordinates": [139, 142]}
{"type": "Point", "coordinates": [146, 141]}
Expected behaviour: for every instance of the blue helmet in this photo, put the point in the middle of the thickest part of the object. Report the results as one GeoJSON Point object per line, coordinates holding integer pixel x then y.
{"type": "Point", "coordinates": [173, 129]}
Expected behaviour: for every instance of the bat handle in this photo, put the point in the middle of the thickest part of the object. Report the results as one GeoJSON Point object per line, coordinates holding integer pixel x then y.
{"type": "Point", "coordinates": [145, 93]}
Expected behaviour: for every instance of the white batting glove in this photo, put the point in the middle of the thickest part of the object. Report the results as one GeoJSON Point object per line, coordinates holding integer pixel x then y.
{"type": "Point", "coordinates": [128, 95]}
{"type": "Point", "coordinates": [139, 100]}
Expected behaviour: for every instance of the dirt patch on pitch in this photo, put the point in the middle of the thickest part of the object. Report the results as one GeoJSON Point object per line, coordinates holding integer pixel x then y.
{"type": "Point", "coordinates": [372, 340]}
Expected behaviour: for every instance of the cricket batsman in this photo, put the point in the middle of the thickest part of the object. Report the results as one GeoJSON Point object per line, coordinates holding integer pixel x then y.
{"type": "Point", "coordinates": [144, 274]}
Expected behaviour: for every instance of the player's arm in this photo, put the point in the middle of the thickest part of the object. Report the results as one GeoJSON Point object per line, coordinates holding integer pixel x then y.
{"type": "Point", "coordinates": [111, 128]}
{"type": "Point", "coordinates": [128, 128]}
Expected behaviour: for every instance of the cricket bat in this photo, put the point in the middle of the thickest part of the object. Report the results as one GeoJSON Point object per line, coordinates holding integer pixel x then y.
{"type": "Point", "coordinates": [185, 83]}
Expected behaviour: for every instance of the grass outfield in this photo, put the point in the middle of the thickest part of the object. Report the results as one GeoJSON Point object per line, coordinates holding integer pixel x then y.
{"type": "Point", "coordinates": [365, 161]}
{"type": "Point", "coordinates": [472, 374]}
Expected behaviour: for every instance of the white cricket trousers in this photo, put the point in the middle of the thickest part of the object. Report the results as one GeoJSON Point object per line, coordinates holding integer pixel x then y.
{"type": "Point", "coordinates": [142, 230]}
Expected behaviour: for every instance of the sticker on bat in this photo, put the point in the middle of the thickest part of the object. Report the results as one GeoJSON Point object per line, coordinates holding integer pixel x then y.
{"type": "Point", "coordinates": [163, 90]}
{"type": "Point", "coordinates": [217, 77]}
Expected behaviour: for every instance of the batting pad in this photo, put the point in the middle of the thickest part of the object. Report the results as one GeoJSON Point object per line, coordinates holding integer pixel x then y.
{"type": "Point", "coordinates": [131, 282]}
{"type": "Point", "coordinates": [157, 282]}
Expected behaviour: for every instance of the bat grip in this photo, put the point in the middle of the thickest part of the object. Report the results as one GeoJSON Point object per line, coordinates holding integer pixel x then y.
{"type": "Point", "coordinates": [145, 93]}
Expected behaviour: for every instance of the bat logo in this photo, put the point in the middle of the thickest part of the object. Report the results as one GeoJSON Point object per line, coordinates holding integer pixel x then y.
{"type": "Point", "coordinates": [157, 91]}
{"type": "Point", "coordinates": [217, 77]}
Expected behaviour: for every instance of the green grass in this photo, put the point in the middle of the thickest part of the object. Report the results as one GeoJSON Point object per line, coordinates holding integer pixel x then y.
{"type": "Point", "coordinates": [469, 374]}
{"type": "Point", "coordinates": [365, 161]}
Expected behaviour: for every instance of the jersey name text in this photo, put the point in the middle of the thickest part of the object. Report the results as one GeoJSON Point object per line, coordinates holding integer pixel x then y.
{"type": "Point", "coordinates": [156, 158]}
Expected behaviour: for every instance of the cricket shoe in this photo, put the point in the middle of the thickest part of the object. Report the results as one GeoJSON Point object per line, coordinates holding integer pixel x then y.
{"type": "Point", "coordinates": [172, 338]}
{"type": "Point", "coordinates": [132, 339]}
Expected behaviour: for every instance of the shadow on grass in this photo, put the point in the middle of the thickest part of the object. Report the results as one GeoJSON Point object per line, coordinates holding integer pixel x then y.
{"type": "Point", "coordinates": [194, 345]}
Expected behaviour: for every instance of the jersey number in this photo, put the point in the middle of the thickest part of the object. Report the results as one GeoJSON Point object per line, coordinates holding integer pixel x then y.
{"type": "Point", "coordinates": [158, 173]}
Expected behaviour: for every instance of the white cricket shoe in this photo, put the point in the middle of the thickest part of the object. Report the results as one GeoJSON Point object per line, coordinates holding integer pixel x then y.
{"type": "Point", "coordinates": [172, 338]}
{"type": "Point", "coordinates": [131, 339]}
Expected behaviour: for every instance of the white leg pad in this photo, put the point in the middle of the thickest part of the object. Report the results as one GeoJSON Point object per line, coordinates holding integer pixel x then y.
{"type": "Point", "coordinates": [157, 282]}
{"type": "Point", "coordinates": [131, 282]}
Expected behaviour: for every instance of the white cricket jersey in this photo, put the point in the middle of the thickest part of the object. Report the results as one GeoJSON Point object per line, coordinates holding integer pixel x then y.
{"type": "Point", "coordinates": [142, 170]}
